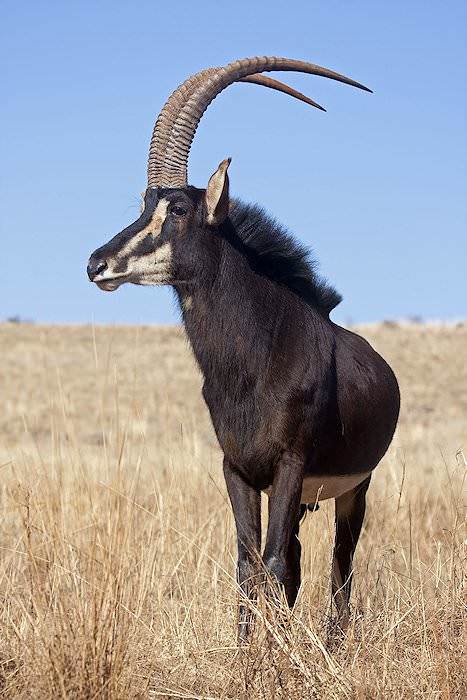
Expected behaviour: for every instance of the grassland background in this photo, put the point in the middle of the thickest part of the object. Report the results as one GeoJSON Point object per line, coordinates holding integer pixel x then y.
{"type": "Point", "coordinates": [118, 546]}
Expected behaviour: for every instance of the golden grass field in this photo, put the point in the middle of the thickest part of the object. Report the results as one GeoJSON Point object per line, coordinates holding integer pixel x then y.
{"type": "Point", "coordinates": [118, 552]}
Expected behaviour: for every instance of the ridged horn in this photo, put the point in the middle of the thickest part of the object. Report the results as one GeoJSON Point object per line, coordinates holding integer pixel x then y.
{"type": "Point", "coordinates": [165, 121]}
{"type": "Point", "coordinates": [169, 113]}
{"type": "Point", "coordinates": [174, 169]}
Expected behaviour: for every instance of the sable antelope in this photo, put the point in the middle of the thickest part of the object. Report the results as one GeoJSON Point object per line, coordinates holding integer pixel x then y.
{"type": "Point", "coordinates": [302, 408]}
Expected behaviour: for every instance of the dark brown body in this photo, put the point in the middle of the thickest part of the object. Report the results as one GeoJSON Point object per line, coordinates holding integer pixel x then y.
{"type": "Point", "coordinates": [291, 395]}
{"type": "Point", "coordinates": [337, 412]}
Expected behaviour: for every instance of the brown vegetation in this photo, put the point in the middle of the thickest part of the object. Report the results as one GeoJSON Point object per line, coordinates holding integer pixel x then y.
{"type": "Point", "coordinates": [118, 544]}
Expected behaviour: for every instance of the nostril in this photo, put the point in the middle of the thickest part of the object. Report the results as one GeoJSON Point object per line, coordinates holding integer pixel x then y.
{"type": "Point", "coordinates": [96, 267]}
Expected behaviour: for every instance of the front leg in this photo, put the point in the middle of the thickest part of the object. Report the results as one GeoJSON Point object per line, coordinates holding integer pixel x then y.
{"type": "Point", "coordinates": [294, 552]}
{"type": "Point", "coordinates": [282, 553]}
{"type": "Point", "coordinates": [246, 506]}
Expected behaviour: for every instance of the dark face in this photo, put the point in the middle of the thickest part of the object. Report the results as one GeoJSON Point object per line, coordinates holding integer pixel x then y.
{"type": "Point", "coordinates": [157, 248]}
{"type": "Point", "coordinates": [170, 241]}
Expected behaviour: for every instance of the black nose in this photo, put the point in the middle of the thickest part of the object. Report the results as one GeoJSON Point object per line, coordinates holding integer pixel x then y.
{"type": "Point", "coordinates": [95, 267]}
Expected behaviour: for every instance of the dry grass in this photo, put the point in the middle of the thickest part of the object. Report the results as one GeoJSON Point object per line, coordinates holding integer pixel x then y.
{"type": "Point", "coordinates": [117, 548]}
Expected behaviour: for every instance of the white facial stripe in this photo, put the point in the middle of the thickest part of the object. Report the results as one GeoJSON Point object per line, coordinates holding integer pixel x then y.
{"type": "Point", "coordinates": [153, 268]}
{"type": "Point", "coordinates": [159, 216]}
{"type": "Point", "coordinates": [164, 254]}
{"type": "Point", "coordinates": [154, 227]}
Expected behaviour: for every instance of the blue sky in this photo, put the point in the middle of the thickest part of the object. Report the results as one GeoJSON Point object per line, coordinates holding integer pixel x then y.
{"type": "Point", "coordinates": [376, 186]}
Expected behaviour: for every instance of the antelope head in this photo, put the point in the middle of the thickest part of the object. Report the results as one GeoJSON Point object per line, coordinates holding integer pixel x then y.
{"type": "Point", "coordinates": [166, 244]}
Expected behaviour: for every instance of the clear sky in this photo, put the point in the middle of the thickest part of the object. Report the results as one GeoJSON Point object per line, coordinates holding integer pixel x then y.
{"type": "Point", "coordinates": [376, 186]}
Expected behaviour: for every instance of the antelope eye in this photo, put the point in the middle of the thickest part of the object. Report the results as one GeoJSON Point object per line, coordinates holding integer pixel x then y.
{"type": "Point", "coordinates": [179, 211]}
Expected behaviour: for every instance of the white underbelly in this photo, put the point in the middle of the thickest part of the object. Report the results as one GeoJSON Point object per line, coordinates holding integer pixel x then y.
{"type": "Point", "coordinates": [319, 488]}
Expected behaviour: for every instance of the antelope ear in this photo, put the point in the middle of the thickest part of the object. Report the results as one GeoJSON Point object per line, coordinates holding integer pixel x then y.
{"type": "Point", "coordinates": [217, 195]}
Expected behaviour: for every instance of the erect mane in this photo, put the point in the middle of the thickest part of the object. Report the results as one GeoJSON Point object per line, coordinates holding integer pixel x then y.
{"type": "Point", "coordinates": [273, 252]}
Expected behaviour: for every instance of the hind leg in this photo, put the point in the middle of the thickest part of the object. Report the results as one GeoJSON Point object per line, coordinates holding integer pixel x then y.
{"type": "Point", "coordinates": [350, 511]}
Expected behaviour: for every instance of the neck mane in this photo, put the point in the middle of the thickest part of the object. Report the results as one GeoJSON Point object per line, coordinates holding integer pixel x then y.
{"type": "Point", "coordinates": [271, 251]}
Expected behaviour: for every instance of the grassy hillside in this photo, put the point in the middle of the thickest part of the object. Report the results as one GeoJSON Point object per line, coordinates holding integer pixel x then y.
{"type": "Point", "coordinates": [118, 543]}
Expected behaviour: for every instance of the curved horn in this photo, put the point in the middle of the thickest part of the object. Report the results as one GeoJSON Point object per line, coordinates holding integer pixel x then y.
{"type": "Point", "coordinates": [165, 121]}
{"type": "Point", "coordinates": [170, 111]}
{"type": "Point", "coordinates": [264, 80]}
{"type": "Point", "coordinates": [174, 173]}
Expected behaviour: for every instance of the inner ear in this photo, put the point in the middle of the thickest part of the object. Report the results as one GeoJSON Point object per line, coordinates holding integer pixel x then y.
{"type": "Point", "coordinates": [217, 195]}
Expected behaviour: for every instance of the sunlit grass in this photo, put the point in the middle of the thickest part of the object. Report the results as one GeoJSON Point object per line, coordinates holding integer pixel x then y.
{"type": "Point", "coordinates": [118, 546]}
